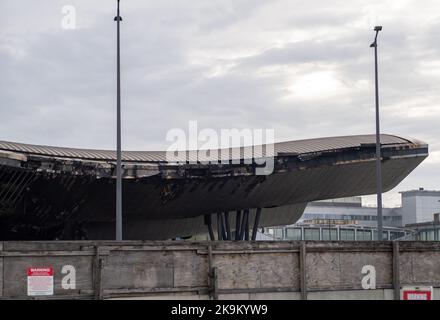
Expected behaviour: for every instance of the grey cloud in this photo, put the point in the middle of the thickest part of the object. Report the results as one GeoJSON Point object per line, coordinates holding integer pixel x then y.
{"type": "Point", "coordinates": [62, 90]}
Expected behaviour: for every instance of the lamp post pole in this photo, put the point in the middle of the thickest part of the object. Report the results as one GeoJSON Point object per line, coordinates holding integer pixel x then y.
{"type": "Point", "coordinates": [378, 156]}
{"type": "Point", "coordinates": [118, 19]}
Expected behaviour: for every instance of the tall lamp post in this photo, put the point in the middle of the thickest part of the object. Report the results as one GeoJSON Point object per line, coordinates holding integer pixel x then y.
{"type": "Point", "coordinates": [378, 157]}
{"type": "Point", "coordinates": [118, 19]}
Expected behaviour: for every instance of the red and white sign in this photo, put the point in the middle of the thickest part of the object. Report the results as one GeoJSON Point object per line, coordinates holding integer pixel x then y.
{"type": "Point", "coordinates": [417, 293]}
{"type": "Point", "coordinates": [40, 281]}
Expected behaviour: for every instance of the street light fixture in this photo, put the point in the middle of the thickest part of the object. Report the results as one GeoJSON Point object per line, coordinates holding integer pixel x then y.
{"type": "Point", "coordinates": [118, 19]}
{"type": "Point", "coordinates": [378, 156]}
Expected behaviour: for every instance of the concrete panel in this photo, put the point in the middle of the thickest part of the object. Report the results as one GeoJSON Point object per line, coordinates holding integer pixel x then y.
{"type": "Point", "coordinates": [421, 268]}
{"type": "Point", "coordinates": [234, 296]}
{"type": "Point", "coordinates": [238, 271]}
{"type": "Point", "coordinates": [15, 273]}
{"type": "Point", "coordinates": [245, 270]}
{"type": "Point", "coordinates": [323, 269]}
{"type": "Point", "coordinates": [349, 295]}
{"type": "Point", "coordinates": [352, 264]}
{"type": "Point", "coordinates": [139, 269]}
{"type": "Point", "coordinates": [190, 269]}
{"type": "Point", "coordinates": [330, 270]}
{"type": "Point", "coordinates": [275, 296]}
{"type": "Point", "coordinates": [263, 270]}
{"type": "Point", "coordinates": [166, 297]}
{"type": "Point", "coordinates": [279, 270]}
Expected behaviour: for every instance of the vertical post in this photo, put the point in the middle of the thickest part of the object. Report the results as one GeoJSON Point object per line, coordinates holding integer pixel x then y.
{"type": "Point", "coordinates": [97, 274]}
{"type": "Point", "coordinates": [396, 271]}
{"type": "Point", "coordinates": [243, 224]}
{"type": "Point", "coordinates": [212, 276]}
{"type": "Point", "coordinates": [228, 226]}
{"type": "Point", "coordinates": [256, 223]}
{"type": "Point", "coordinates": [237, 225]}
{"type": "Point", "coordinates": [208, 223]}
{"type": "Point", "coordinates": [224, 233]}
{"type": "Point", "coordinates": [118, 19]}
{"type": "Point", "coordinates": [303, 273]}
{"type": "Point", "coordinates": [219, 226]}
{"type": "Point", "coordinates": [2, 280]}
{"type": "Point", "coordinates": [246, 224]}
{"type": "Point", "coordinates": [378, 155]}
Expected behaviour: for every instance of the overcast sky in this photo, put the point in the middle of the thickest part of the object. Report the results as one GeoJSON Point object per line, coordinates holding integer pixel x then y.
{"type": "Point", "coordinates": [303, 68]}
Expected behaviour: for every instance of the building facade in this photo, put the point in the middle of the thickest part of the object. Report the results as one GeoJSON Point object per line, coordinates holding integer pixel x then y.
{"type": "Point", "coordinates": [350, 210]}
{"type": "Point", "coordinates": [335, 232]}
{"type": "Point", "coordinates": [348, 219]}
{"type": "Point", "coordinates": [419, 206]}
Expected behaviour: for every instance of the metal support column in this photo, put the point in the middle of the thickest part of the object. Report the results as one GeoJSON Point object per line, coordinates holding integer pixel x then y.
{"type": "Point", "coordinates": [228, 226]}
{"type": "Point", "coordinates": [118, 19]}
{"type": "Point", "coordinates": [219, 226]}
{"type": "Point", "coordinates": [208, 223]}
{"type": "Point", "coordinates": [256, 223]}
{"type": "Point", "coordinates": [237, 225]}
{"type": "Point", "coordinates": [223, 218]}
{"type": "Point", "coordinates": [245, 225]}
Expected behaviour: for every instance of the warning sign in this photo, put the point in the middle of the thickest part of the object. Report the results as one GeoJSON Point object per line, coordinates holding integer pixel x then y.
{"type": "Point", "coordinates": [417, 293]}
{"type": "Point", "coordinates": [40, 281]}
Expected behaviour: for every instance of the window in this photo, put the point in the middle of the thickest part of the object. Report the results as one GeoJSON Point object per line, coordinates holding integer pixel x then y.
{"type": "Point", "coordinates": [384, 237]}
{"type": "Point", "coordinates": [293, 234]}
{"type": "Point", "coordinates": [329, 234]}
{"type": "Point", "coordinates": [363, 235]}
{"type": "Point", "coordinates": [396, 235]}
{"type": "Point", "coordinates": [277, 233]}
{"type": "Point", "coordinates": [430, 235]}
{"type": "Point", "coordinates": [311, 234]}
{"type": "Point", "coordinates": [347, 234]}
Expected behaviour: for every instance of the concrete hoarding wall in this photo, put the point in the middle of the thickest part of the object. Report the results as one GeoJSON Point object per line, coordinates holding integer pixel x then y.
{"type": "Point", "coordinates": [224, 270]}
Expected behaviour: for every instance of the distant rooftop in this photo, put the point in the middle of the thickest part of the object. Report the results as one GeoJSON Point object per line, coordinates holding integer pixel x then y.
{"type": "Point", "coordinates": [349, 201]}
{"type": "Point", "coordinates": [420, 192]}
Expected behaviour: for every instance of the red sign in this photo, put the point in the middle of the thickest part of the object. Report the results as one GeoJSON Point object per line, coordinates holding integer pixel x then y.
{"type": "Point", "coordinates": [39, 271]}
{"type": "Point", "coordinates": [417, 294]}
{"type": "Point", "coordinates": [40, 281]}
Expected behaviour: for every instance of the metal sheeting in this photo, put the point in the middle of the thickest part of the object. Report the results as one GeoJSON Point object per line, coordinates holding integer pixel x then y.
{"type": "Point", "coordinates": [300, 146]}
{"type": "Point", "coordinates": [61, 205]}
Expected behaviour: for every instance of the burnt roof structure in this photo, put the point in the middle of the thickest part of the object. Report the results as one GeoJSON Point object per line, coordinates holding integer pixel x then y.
{"type": "Point", "coordinates": [65, 193]}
